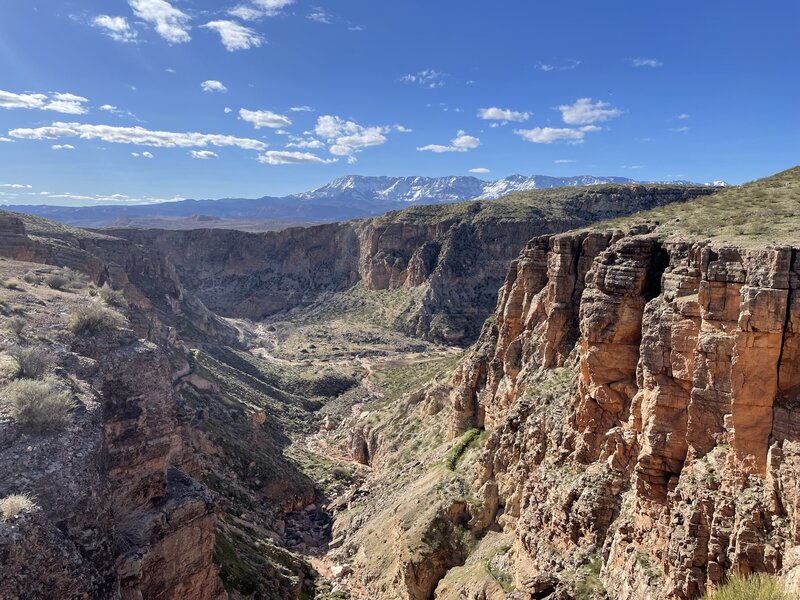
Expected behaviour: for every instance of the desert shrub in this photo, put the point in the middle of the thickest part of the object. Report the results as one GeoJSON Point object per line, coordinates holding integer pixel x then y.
{"type": "Point", "coordinates": [32, 278]}
{"type": "Point", "coordinates": [112, 297]}
{"type": "Point", "coordinates": [12, 284]}
{"type": "Point", "coordinates": [759, 586]}
{"type": "Point", "coordinates": [15, 504]}
{"type": "Point", "coordinates": [95, 318]}
{"type": "Point", "coordinates": [17, 325]}
{"type": "Point", "coordinates": [34, 361]}
{"type": "Point", "coordinates": [37, 406]}
{"type": "Point", "coordinates": [57, 281]}
{"type": "Point", "coordinates": [77, 280]}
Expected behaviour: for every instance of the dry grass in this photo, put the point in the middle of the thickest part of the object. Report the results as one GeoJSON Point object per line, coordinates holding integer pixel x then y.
{"type": "Point", "coordinates": [37, 406]}
{"type": "Point", "coordinates": [759, 586]}
{"type": "Point", "coordinates": [17, 325]}
{"type": "Point", "coordinates": [56, 281]}
{"type": "Point", "coordinates": [112, 297]}
{"type": "Point", "coordinates": [765, 210]}
{"type": "Point", "coordinates": [15, 504]}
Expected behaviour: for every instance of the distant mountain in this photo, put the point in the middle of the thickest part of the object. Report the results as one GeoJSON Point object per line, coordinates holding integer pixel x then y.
{"type": "Point", "coordinates": [344, 198]}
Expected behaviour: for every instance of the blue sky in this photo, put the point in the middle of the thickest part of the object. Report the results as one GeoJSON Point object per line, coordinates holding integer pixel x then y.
{"type": "Point", "coordinates": [142, 100]}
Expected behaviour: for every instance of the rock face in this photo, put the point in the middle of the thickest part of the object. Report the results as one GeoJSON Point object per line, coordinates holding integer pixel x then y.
{"type": "Point", "coordinates": [673, 457]}
{"type": "Point", "coordinates": [450, 260]}
{"type": "Point", "coordinates": [118, 519]}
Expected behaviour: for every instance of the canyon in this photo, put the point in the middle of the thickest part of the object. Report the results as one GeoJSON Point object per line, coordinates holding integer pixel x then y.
{"type": "Point", "coordinates": [584, 393]}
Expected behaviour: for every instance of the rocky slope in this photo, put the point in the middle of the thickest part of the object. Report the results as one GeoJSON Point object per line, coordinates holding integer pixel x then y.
{"type": "Point", "coordinates": [672, 459]}
{"type": "Point", "coordinates": [118, 514]}
{"type": "Point", "coordinates": [450, 260]}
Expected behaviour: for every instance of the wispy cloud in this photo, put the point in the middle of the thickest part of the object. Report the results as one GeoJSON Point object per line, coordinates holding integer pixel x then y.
{"type": "Point", "coordinates": [16, 186]}
{"type": "Point", "coordinates": [264, 118]}
{"type": "Point", "coordinates": [428, 78]}
{"type": "Point", "coordinates": [279, 157]}
{"type": "Point", "coordinates": [585, 112]}
{"type": "Point", "coordinates": [682, 129]}
{"type": "Point", "coordinates": [135, 135]}
{"type": "Point", "coordinates": [117, 28]}
{"type": "Point", "coordinates": [258, 9]}
{"type": "Point", "coordinates": [235, 36]}
{"type": "Point", "coordinates": [142, 154]}
{"type": "Point", "coordinates": [203, 154]}
{"type": "Point", "coordinates": [566, 64]}
{"type": "Point", "coordinates": [63, 147]}
{"type": "Point", "coordinates": [549, 135]}
{"type": "Point", "coordinates": [169, 22]}
{"type": "Point", "coordinates": [64, 103]}
{"type": "Point", "coordinates": [563, 161]}
{"type": "Point", "coordinates": [480, 170]}
{"type": "Point", "coordinates": [320, 15]}
{"type": "Point", "coordinates": [461, 143]}
{"type": "Point", "coordinates": [301, 109]}
{"type": "Point", "coordinates": [641, 61]}
{"type": "Point", "coordinates": [683, 116]}
{"type": "Point", "coordinates": [212, 85]}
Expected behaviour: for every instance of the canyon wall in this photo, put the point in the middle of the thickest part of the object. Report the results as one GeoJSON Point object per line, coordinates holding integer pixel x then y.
{"type": "Point", "coordinates": [673, 459]}
{"type": "Point", "coordinates": [451, 257]}
{"type": "Point", "coordinates": [119, 516]}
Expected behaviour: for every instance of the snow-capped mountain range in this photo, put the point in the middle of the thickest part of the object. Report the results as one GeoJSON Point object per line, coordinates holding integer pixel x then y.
{"type": "Point", "coordinates": [344, 198]}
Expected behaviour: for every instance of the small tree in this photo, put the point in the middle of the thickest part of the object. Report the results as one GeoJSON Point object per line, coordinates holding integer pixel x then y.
{"type": "Point", "coordinates": [56, 281]}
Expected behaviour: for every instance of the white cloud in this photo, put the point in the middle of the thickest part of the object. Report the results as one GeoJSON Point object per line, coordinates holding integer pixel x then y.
{"type": "Point", "coordinates": [235, 36]}
{"type": "Point", "coordinates": [320, 15]}
{"type": "Point", "coordinates": [279, 157]}
{"type": "Point", "coordinates": [63, 147]}
{"type": "Point", "coordinates": [563, 161]}
{"type": "Point", "coordinates": [567, 64]}
{"type": "Point", "coordinates": [203, 154]}
{"type": "Point", "coordinates": [301, 109]}
{"type": "Point", "coordinates": [548, 135]}
{"type": "Point", "coordinates": [64, 103]}
{"type": "Point", "coordinates": [5, 139]}
{"type": "Point", "coordinates": [212, 85]}
{"type": "Point", "coordinates": [264, 118]}
{"type": "Point", "coordinates": [227, 110]}
{"type": "Point", "coordinates": [346, 138]}
{"type": "Point", "coordinates": [16, 186]}
{"type": "Point", "coordinates": [142, 154]}
{"type": "Point", "coordinates": [428, 78]}
{"type": "Point", "coordinates": [311, 143]}
{"type": "Point", "coordinates": [117, 28]}
{"type": "Point", "coordinates": [135, 135]}
{"type": "Point", "coordinates": [109, 108]}
{"type": "Point", "coordinates": [402, 129]}
{"type": "Point", "coordinates": [633, 166]}
{"type": "Point", "coordinates": [646, 62]}
{"type": "Point", "coordinates": [683, 116]}
{"type": "Point", "coordinates": [258, 9]}
{"type": "Point", "coordinates": [584, 112]}
{"type": "Point", "coordinates": [461, 143]}
{"type": "Point", "coordinates": [683, 129]}
{"type": "Point", "coordinates": [170, 23]}
{"type": "Point", "coordinates": [170, 70]}
{"type": "Point", "coordinates": [480, 170]}
{"type": "Point", "coordinates": [501, 114]}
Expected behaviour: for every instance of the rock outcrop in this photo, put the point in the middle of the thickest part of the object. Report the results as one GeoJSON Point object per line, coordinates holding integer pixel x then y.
{"type": "Point", "coordinates": [672, 457]}
{"type": "Point", "coordinates": [451, 259]}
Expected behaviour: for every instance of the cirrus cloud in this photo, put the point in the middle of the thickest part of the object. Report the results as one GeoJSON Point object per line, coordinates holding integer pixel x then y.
{"type": "Point", "coordinates": [282, 157]}
{"type": "Point", "coordinates": [235, 36]}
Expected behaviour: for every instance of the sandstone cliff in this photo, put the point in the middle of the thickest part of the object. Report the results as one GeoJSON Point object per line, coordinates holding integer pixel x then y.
{"type": "Point", "coordinates": [672, 458]}
{"type": "Point", "coordinates": [451, 259]}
